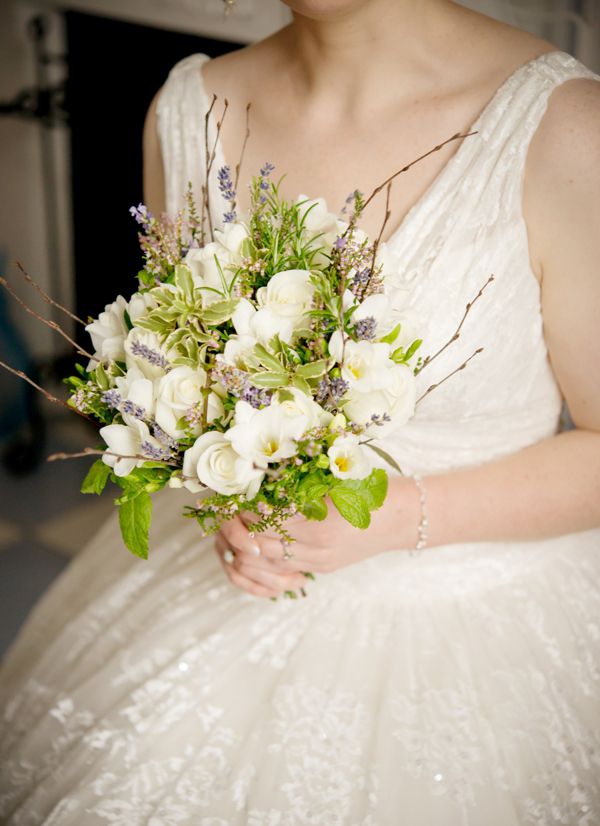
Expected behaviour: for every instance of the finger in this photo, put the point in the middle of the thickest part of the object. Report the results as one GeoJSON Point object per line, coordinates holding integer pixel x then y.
{"type": "Point", "coordinates": [278, 566]}
{"type": "Point", "coordinates": [270, 579]}
{"type": "Point", "coordinates": [237, 536]}
{"type": "Point", "coordinates": [249, 585]}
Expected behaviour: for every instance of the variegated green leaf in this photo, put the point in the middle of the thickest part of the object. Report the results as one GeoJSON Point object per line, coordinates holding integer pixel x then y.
{"type": "Point", "coordinates": [301, 384]}
{"type": "Point", "coordinates": [312, 370]}
{"type": "Point", "coordinates": [266, 358]}
{"type": "Point", "coordinates": [270, 379]}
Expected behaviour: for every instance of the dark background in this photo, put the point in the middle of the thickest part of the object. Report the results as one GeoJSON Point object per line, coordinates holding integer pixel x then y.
{"type": "Point", "coordinates": [115, 69]}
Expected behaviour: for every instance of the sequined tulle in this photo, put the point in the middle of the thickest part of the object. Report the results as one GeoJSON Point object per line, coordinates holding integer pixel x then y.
{"type": "Point", "coordinates": [459, 688]}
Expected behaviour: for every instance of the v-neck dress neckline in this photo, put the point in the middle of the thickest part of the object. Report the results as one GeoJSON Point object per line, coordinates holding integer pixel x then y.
{"type": "Point", "coordinates": [466, 146]}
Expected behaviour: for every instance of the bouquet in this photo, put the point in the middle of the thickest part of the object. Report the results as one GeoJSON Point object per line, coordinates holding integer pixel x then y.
{"type": "Point", "coordinates": [256, 365]}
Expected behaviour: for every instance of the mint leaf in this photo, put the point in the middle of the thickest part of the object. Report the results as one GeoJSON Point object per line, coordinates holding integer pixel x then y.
{"type": "Point", "coordinates": [96, 478]}
{"type": "Point", "coordinates": [373, 489]}
{"type": "Point", "coordinates": [135, 518]}
{"type": "Point", "coordinates": [352, 505]}
{"type": "Point", "coordinates": [313, 486]}
{"type": "Point", "coordinates": [385, 456]}
{"type": "Point", "coordinates": [315, 510]}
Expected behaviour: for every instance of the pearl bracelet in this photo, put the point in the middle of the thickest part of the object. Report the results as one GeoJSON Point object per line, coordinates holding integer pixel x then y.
{"type": "Point", "coordinates": [422, 529]}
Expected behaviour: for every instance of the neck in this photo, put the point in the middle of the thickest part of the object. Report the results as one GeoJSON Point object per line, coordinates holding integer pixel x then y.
{"type": "Point", "coordinates": [330, 53]}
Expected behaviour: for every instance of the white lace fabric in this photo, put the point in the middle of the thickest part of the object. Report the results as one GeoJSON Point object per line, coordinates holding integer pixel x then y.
{"type": "Point", "coordinates": [459, 688]}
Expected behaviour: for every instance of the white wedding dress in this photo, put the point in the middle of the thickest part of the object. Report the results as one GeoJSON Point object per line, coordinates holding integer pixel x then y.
{"type": "Point", "coordinates": [457, 688]}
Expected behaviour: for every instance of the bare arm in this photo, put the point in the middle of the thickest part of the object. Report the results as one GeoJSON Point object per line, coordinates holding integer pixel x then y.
{"type": "Point", "coordinates": [154, 172]}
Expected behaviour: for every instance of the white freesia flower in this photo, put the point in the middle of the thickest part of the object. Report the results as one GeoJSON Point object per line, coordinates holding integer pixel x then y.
{"type": "Point", "coordinates": [228, 250]}
{"type": "Point", "coordinates": [108, 333]}
{"type": "Point", "coordinates": [176, 392]}
{"type": "Point", "coordinates": [135, 388]}
{"type": "Point", "coordinates": [144, 351]}
{"type": "Point", "coordinates": [397, 402]}
{"type": "Point", "coordinates": [213, 461]}
{"type": "Point", "coordinates": [347, 458]}
{"type": "Point", "coordinates": [365, 365]}
{"type": "Point", "coordinates": [288, 295]}
{"type": "Point", "coordinates": [265, 436]}
{"type": "Point", "coordinates": [302, 405]}
{"type": "Point", "coordinates": [127, 440]}
{"type": "Point", "coordinates": [260, 325]}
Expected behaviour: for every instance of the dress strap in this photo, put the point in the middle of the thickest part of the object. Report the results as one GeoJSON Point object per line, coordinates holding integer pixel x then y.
{"type": "Point", "coordinates": [181, 110]}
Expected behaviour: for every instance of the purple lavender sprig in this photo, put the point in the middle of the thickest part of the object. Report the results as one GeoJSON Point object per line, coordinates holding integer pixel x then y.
{"type": "Point", "coordinates": [153, 356]}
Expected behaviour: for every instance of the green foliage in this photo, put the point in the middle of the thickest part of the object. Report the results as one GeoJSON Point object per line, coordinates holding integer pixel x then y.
{"type": "Point", "coordinates": [135, 518]}
{"type": "Point", "coordinates": [97, 477]}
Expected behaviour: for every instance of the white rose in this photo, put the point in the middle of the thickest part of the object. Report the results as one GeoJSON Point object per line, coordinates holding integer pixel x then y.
{"type": "Point", "coordinates": [265, 436]}
{"type": "Point", "coordinates": [214, 462]}
{"type": "Point", "coordinates": [364, 364]}
{"type": "Point", "coordinates": [176, 392]}
{"type": "Point", "coordinates": [302, 405]}
{"type": "Point", "coordinates": [239, 352]}
{"type": "Point", "coordinates": [347, 458]}
{"type": "Point", "coordinates": [397, 402]}
{"type": "Point", "coordinates": [317, 218]}
{"type": "Point", "coordinates": [127, 440]}
{"type": "Point", "coordinates": [140, 304]}
{"type": "Point", "coordinates": [108, 333]}
{"type": "Point", "coordinates": [288, 295]}
{"type": "Point", "coordinates": [144, 351]}
{"type": "Point", "coordinates": [227, 248]}
{"type": "Point", "coordinates": [136, 389]}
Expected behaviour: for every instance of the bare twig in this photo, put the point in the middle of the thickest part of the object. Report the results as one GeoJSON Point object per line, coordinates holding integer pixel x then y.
{"type": "Point", "coordinates": [52, 324]}
{"type": "Point", "coordinates": [456, 335]}
{"type": "Point", "coordinates": [462, 367]}
{"type": "Point", "coordinates": [90, 451]}
{"type": "Point", "coordinates": [377, 189]}
{"type": "Point", "coordinates": [205, 194]}
{"type": "Point", "coordinates": [48, 395]}
{"type": "Point", "coordinates": [47, 298]}
{"type": "Point", "coordinates": [239, 166]}
{"type": "Point", "coordinates": [379, 237]}
{"type": "Point", "coordinates": [210, 158]}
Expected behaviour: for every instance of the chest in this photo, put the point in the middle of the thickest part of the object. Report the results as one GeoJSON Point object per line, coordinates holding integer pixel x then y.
{"type": "Point", "coordinates": [331, 157]}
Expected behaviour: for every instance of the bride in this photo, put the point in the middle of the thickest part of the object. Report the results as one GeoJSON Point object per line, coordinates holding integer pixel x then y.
{"type": "Point", "coordinates": [456, 687]}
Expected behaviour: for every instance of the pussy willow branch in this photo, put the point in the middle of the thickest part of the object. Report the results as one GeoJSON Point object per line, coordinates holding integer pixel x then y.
{"type": "Point", "coordinates": [46, 298]}
{"type": "Point", "coordinates": [462, 367]}
{"type": "Point", "coordinates": [377, 189]}
{"type": "Point", "coordinates": [90, 451]}
{"type": "Point", "coordinates": [48, 395]}
{"type": "Point", "coordinates": [52, 324]}
{"type": "Point", "coordinates": [239, 166]}
{"type": "Point", "coordinates": [456, 335]}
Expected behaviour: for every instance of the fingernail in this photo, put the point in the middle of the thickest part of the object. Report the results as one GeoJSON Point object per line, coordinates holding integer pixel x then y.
{"type": "Point", "coordinates": [255, 548]}
{"type": "Point", "coordinates": [228, 556]}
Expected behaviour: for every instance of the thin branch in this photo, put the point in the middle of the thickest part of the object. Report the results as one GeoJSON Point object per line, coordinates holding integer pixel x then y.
{"type": "Point", "coordinates": [52, 324]}
{"type": "Point", "coordinates": [462, 367]}
{"type": "Point", "coordinates": [379, 237]}
{"type": "Point", "coordinates": [456, 335]}
{"type": "Point", "coordinates": [377, 189]}
{"type": "Point", "coordinates": [48, 395]}
{"type": "Point", "coordinates": [47, 297]}
{"type": "Point", "coordinates": [205, 195]}
{"type": "Point", "coordinates": [239, 166]}
{"type": "Point", "coordinates": [90, 451]}
{"type": "Point", "coordinates": [210, 158]}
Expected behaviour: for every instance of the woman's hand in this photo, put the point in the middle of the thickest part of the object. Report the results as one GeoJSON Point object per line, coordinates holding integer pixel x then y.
{"type": "Point", "coordinates": [259, 565]}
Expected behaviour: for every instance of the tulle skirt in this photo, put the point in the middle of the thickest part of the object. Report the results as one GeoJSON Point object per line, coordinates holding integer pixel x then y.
{"type": "Point", "coordinates": [458, 687]}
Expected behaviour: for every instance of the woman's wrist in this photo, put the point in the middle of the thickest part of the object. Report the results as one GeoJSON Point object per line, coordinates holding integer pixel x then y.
{"type": "Point", "coordinates": [398, 521]}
